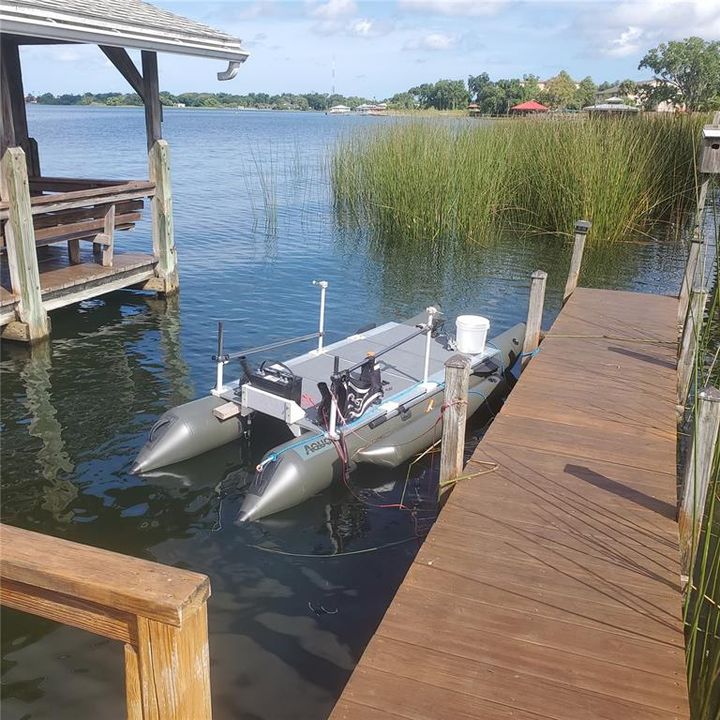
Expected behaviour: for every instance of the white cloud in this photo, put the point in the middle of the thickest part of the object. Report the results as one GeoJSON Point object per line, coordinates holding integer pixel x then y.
{"type": "Point", "coordinates": [334, 10]}
{"type": "Point", "coordinates": [435, 41]}
{"type": "Point", "coordinates": [362, 27]}
{"type": "Point", "coordinates": [629, 27]}
{"type": "Point", "coordinates": [453, 7]}
{"type": "Point", "coordinates": [627, 43]}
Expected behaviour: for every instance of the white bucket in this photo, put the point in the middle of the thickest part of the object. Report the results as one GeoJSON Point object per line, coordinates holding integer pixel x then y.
{"type": "Point", "coordinates": [471, 333]}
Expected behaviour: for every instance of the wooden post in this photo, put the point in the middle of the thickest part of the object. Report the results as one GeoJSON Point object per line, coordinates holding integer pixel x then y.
{"type": "Point", "coordinates": [688, 344]}
{"type": "Point", "coordinates": [33, 323]}
{"type": "Point", "coordinates": [538, 281]}
{"type": "Point", "coordinates": [582, 227]}
{"type": "Point", "coordinates": [457, 376]}
{"type": "Point", "coordinates": [153, 108]}
{"type": "Point", "coordinates": [697, 475]}
{"type": "Point", "coordinates": [162, 217]}
{"type": "Point", "coordinates": [159, 160]}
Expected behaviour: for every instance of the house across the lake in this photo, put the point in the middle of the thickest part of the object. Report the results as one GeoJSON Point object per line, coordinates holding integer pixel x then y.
{"type": "Point", "coordinates": [60, 236]}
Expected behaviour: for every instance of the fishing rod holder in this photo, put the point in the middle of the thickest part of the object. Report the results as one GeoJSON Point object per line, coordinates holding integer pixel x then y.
{"type": "Point", "coordinates": [323, 285]}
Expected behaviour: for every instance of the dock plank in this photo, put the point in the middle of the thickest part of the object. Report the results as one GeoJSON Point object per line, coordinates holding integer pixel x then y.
{"type": "Point", "coordinates": [549, 586]}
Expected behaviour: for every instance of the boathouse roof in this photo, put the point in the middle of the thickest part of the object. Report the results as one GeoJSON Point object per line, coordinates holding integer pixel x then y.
{"type": "Point", "coordinates": [119, 23]}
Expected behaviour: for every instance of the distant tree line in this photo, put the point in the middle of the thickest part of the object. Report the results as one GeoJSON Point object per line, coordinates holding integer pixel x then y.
{"type": "Point", "coordinates": [687, 74]}
{"type": "Point", "coordinates": [262, 101]}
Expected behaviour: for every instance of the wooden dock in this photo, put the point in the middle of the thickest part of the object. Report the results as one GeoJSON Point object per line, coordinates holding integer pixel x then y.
{"type": "Point", "coordinates": [550, 587]}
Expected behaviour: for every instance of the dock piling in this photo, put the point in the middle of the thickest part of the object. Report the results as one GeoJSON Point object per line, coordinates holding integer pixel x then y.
{"type": "Point", "coordinates": [457, 376]}
{"type": "Point", "coordinates": [697, 475]}
{"type": "Point", "coordinates": [688, 343]}
{"type": "Point", "coordinates": [32, 320]}
{"type": "Point", "coordinates": [582, 228]}
{"type": "Point", "coordinates": [538, 281]}
{"type": "Point", "coordinates": [162, 216]}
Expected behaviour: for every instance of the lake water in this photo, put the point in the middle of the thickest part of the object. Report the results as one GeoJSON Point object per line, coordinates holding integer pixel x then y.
{"type": "Point", "coordinates": [254, 226]}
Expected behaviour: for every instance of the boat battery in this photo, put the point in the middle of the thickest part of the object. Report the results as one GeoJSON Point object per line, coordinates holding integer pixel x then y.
{"type": "Point", "coordinates": [278, 379]}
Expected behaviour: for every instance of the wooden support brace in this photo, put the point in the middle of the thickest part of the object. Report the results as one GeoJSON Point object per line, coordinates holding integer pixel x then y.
{"type": "Point", "coordinates": [538, 281]}
{"type": "Point", "coordinates": [123, 63]}
{"type": "Point", "coordinates": [20, 247]}
{"type": "Point", "coordinates": [697, 475]}
{"type": "Point", "coordinates": [74, 251]}
{"type": "Point", "coordinates": [452, 452]}
{"type": "Point", "coordinates": [108, 237]}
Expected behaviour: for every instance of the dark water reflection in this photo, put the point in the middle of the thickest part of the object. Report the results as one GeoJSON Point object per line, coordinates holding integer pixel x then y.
{"type": "Point", "coordinates": [254, 227]}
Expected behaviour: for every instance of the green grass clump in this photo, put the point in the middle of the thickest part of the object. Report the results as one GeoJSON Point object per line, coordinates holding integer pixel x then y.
{"type": "Point", "coordinates": [438, 182]}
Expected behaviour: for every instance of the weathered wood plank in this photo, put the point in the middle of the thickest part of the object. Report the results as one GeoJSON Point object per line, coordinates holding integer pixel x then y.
{"type": "Point", "coordinates": [131, 585]}
{"type": "Point", "coordinates": [550, 587]}
{"type": "Point", "coordinates": [68, 610]}
{"type": "Point", "coordinates": [135, 190]}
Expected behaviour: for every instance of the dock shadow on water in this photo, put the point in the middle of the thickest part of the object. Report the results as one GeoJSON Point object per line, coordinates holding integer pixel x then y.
{"type": "Point", "coordinates": [295, 598]}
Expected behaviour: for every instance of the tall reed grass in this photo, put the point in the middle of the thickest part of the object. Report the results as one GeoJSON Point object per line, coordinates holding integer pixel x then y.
{"type": "Point", "coordinates": [427, 181]}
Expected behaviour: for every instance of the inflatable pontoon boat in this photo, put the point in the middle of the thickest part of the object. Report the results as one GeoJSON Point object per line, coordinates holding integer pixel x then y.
{"type": "Point", "coordinates": [374, 397]}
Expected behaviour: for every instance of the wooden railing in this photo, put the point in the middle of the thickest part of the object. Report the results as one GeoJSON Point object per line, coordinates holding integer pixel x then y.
{"type": "Point", "coordinates": [79, 209]}
{"type": "Point", "coordinates": [158, 612]}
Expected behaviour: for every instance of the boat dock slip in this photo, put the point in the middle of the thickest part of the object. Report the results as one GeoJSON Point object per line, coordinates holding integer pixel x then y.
{"type": "Point", "coordinates": [550, 587]}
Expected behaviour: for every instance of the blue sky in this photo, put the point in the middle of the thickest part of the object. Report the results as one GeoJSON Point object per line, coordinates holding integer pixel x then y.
{"type": "Point", "coordinates": [381, 47]}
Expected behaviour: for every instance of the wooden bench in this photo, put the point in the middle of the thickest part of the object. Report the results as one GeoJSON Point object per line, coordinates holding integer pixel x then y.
{"type": "Point", "coordinates": [70, 210]}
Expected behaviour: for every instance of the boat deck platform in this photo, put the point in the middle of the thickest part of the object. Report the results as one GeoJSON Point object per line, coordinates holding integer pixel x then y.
{"type": "Point", "coordinates": [62, 283]}
{"type": "Point", "coordinates": [549, 587]}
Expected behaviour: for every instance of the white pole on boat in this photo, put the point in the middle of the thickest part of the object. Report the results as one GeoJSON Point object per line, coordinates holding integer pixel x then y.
{"type": "Point", "coordinates": [321, 329]}
{"type": "Point", "coordinates": [333, 418]}
{"type": "Point", "coordinates": [219, 360]}
{"type": "Point", "coordinates": [431, 311]}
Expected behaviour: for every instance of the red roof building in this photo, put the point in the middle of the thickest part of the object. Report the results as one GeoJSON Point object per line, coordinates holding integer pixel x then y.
{"type": "Point", "coordinates": [531, 106]}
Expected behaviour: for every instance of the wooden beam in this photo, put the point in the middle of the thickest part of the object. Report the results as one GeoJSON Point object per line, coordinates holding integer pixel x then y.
{"type": "Point", "coordinates": [20, 247]}
{"type": "Point", "coordinates": [69, 610]}
{"type": "Point", "coordinates": [153, 108]}
{"type": "Point", "coordinates": [123, 62]}
{"type": "Point", "coordinates": [135, 190]}
{"type": "Point", "coordinates": [130, 585]}
{"type": "Point", "coordinates": [10, 55]}
{"type": "Point", "coordinates": [7, 126]}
